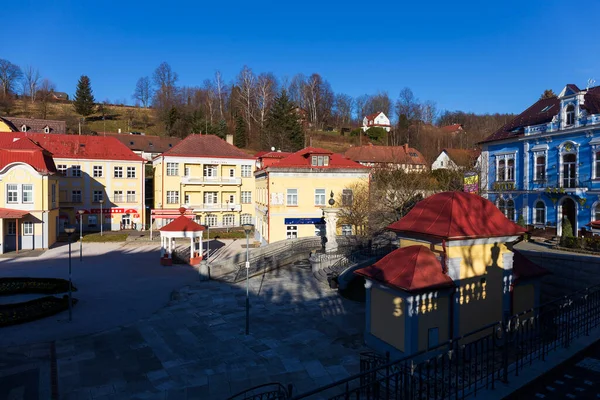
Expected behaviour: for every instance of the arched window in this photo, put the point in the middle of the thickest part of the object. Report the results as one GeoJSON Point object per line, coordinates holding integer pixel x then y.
{"type": "Point", "coordinates": [501, 170]}
{"type": "Point", "coordinates": [540, 168]}
{"type": "Point", "coordinates": [540, 213]}
{"type": "Point", "coordinates": [597, 166]}
{"type": "Point", "coordinates": [502, 206]}
{"type": "Point", "coordinates": [597, 212]}
{"type": "Point", "coordinates": [510, 170]}
{"type": "Point", "coordinates": [510, 210]}
{"type": "Point", "coordinates": [245, 219]}
{"type": "Point", "coordinates": [570, 114]}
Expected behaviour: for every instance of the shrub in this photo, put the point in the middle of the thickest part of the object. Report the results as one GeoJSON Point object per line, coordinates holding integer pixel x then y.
{"type": "Point", "coordinates": [570, 242]}
{"type": "Point", "coordinates": [11, 286]}
{"type": "Point", "coordinates": [18, 313]}
{"type": "Point", "coordinates": [592, 243]}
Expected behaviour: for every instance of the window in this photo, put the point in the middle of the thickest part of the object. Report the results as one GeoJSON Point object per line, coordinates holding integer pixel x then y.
{"type": "Point", "coordinates": [228, 220]}
{"type": "Point", "coordinates": [320, 161]}
{"type": "Point", "coordinates": [172, 197]}
{"type": "Point", "coordinates": [569, 170]}
{"type": "Point", "coordinates": [27, 228]}
{"type": "Point", "coordinates": [546, 108]}
{"type": "Point", "coordinates": [131, 196]}
{"type": "Point", "coordinates": [540, 213]}
{"type": "Point", "coordinates": [210, 197]}
{"type": "Point", "coordinates": [570, 114]}
{"type": "Point", "coordinates": [76, 196]}
{"type": "Point", "coordinates": [246, 171]}
{"type": "Point", "coordinates": [118, 172]}
{"type": "Point", "coordinates": [231, 173]}
{"type": "Point", "coordinates": [76, 171]}
{"type": "Point", "coordinates": [292, 232]}
{"type": "Point", "coordinates": [319, 197]}
{"type": "Point", "coordinates": [131, 172]}
{"type": "Point", "coordinates": [12, 193]}
{"type": "Point", "coordinates": [597, 213]}
{"type": "Point", "coordinates": [97, 171]}
{"type": "Point", "coordinates": [118, 196]}
{"type": "Point", "coordinates": [98, 196]}
{"type": "Point", "coordinates": [46, 130]}
{"type": "Point", "coordinates": [92, 220]}
{"type": "Point", "coordinates": [172, 169]}
{"type": "Point", "coordinates": [510, 170]}
{"type": "Point", "coordinates": [501, 170]}
{"type": "Point", "coordinates": [62, 169]}
{"type": "Point", "coordinates": [246, 197]}
{"type": "Point", "coordinates": [231, 199]}
{"type": "Point", "coordinates": [540, 168]}
{"type": "Point", "coordinates": [186, 171]}
{"type": "Point", "coordinates": [292, 197]}
{"type": "Point", "coordinates": [211, 220]}
{"type": "Point", "coordinates": [210, 171]}
{"type": "Point", "coordinates": [510, 210]}
{"type": "Point", "coordinates": [186, 199]}
{"type": "Point", "coordinates": [597, 166]}
{"type": "Point", "coordinates": [346, 230]}
{"type": "Point", "coordinates": [24, 128]}
{"type": "Point", "coordinates": [53, 195]}
{"type": "Point", "coordinates": [347, 197]}
{"type": "Point", "coordinates": [502, 206]}
{"type": "Point", "coordinates": [246, 219]}
{"type": "Point", "coordinates": [11, 228]}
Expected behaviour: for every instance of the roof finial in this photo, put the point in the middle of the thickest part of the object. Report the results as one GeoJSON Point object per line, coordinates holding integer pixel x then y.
{"type": "Point", "coordinates": [590, 83]}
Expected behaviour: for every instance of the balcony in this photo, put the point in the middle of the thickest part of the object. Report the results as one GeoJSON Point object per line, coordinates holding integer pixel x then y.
{"type": "Point", "coordinates": [207, 207]}
{"type": "Point", "coordinates": [503, 186]}
{"type": "Point", "coordinates": [187, 180]}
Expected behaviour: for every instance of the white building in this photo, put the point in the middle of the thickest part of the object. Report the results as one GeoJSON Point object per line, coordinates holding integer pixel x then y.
{"type": "Point", "coordinates": [377, 119]}
{"type": "Point", "coordinates": [456, 159]}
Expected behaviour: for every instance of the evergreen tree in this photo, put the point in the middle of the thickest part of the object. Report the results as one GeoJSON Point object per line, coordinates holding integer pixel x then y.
{"type": "Point", "coordinates": [239, 138]}
{"type": "Point", "coordinates": [548, 94]}
{"type": "Point", "coordinates": [221, 129]}
{"type": "Point", "coordinates": [84, 99]}
{"type": "Point", "coordinates": [283, 130]}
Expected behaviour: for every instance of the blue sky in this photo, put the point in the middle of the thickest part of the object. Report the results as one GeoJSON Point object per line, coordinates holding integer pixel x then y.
{"type": "Point", "coordinates": [473, 55]}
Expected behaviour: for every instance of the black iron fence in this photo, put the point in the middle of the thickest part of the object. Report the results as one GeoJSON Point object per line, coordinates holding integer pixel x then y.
{"type": "Point", "coordinates": [464, 366]}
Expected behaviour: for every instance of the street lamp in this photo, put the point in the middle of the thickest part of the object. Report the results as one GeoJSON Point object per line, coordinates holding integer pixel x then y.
{"type": "Point", "coordinates": [207, 243]}
{"type": "Point", "coordinates": [80, 212]}
{"type": "Point", "coordinates": [247, 228]}
{"type": "Point", "coordinates": [70, 231]}
{"type": "Point", "coordinates": [101, 216]}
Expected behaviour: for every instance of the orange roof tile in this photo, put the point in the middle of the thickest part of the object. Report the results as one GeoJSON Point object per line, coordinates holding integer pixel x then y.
{"type": "Point", "coordinates": [27, 151]}
{"type": "Point", "coordinates": [386, 154]}
{"type": "Point", "coordinates": [205, 146]}
{"type": "Point", "coordinates": [11, 213]}
{"type": "Point", "coordinates": [182, 223]}
{"type": "Point", "coordinates": [302, 159]}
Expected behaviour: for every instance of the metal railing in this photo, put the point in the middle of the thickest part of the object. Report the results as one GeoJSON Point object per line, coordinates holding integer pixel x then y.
{"type": "Point", "coordinates": [473, 362]}
{"type": "Point", "coordinates": [361, 254]}
{"type": "Point", "coordinates": [268, 391]}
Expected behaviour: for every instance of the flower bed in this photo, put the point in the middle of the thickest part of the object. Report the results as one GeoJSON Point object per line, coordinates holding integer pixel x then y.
{"type": "Point", "coordinates": [12, 314]}
{"type": "Point", "coordinates": [11, 286]}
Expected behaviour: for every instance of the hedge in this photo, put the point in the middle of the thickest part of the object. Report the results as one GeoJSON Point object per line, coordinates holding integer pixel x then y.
{"type": "Point", "coordinates": [18, 313]}
{"type": "Point", "coordinates": [11, 286]}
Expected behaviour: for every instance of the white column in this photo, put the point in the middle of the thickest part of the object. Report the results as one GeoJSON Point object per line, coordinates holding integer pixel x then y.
{"type": "Point", "coordinates": [162, 246]}
{"type": "Point", "coordinates": [200, 249]}
{"type": "Point", "coordinates": [192, 247]}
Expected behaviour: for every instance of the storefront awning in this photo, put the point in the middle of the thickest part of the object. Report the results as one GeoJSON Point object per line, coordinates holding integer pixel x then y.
{"type": "Point", "coordinates": [11, 213]}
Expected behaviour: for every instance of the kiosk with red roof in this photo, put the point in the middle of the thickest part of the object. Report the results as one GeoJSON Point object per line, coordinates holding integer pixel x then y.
{"type": "Point", "coordinates": [181, 227]}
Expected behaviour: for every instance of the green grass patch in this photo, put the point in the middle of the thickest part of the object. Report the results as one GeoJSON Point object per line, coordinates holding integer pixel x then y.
{"type": "Point", "coordinates": [107, 237]}
{"type": "Point", "coordinates": [228, 235]}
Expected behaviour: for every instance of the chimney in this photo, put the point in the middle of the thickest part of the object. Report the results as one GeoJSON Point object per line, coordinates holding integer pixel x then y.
{"type": "Point", "coordinates": [229, 138]}
{"type": "Point", "coordinates": [405, 147]}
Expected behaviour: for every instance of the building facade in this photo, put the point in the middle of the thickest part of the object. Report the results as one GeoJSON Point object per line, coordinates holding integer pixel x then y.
{"type": "Point", "coordinates": [544, 166]}
{"type": "Point", "coordinates": [457, 160]}
{"type": "Point", "coordinates": [207, 175]}
{"type": "Point", "coordinates": [98, 176]}
{"type": "Point", "coordinates": [33, 125]}
{"type": "Point", "coordinates": [29, 204]}
{"type": "Point", "coordinates": [291, 193]}
{"type": "Point", "coordinates": [402, 157]}
{"type": "Point", "coordinates": [377, 120]}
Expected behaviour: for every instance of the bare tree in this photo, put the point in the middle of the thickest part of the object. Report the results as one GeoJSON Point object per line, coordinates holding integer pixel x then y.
{"type": "Point", "coordinates": [429, 111]}
{"type": "Point", "coordinates": [408, 111]}
{"type": "Point", "coordinates": [246, 82]}
{"type": "Point", "coordinates": [9, 76]}
{"type": "Point", "coordinates": [143, 91]}
{"type": "Point", "coordinates": [361, 104]}
{"type": "Point", "coordinates": [354, 207]}
{"type": "Point", "coordinates": [266, 91]}
{"type": "Point", "coordinates": [31, 79]}
{"type": "Point", "coordinates": [318, 98]}
{"type": "Point", "coordinates": [221, 90]}
{"type": "Point", "coordinates": [380, 102]}
{"type": "Point", "coordinates": [210, 98]}
{"type": "Point", "coordinates": [44, 96]}
{"type": "Point", "coordinates": [295, 90]}
{"type": "Point", "coordinates": [165, 80]}
{"type": "Point", "coordinates": [343, 109]}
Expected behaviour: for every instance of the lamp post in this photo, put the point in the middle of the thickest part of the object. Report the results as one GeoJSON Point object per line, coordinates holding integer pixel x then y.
{"type": "Point", "coordinates": [101, 217]}
{"type": "Point", "coordinates": [247, 228]}
{"type": "Point", "coordinates": [70, 231]}
{"type": "Point", "coordinates": [207, 243]}
{"type": "Point", "coordinates": [80, 212]}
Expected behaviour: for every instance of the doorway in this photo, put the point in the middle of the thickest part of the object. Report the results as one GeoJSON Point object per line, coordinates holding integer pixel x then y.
{"type": "Point", "coordinates": [568, 209]}
{"type": "Point", "coordinates": [126, 221]}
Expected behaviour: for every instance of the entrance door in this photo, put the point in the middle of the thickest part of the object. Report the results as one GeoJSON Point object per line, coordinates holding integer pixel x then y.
{"type": "Point", "coordinates": [569, 210]}
{"type": "Point", "coordinates": [126, 221]}
{"type": "Point", "coordinates": [62, 223]}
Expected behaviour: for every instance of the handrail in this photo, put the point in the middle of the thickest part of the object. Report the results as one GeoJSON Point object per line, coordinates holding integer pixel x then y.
{"type": "Point", "coordinates": [280, 391]}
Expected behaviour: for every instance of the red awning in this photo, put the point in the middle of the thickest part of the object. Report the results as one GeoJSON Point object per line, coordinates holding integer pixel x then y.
{"type": "Point", "coordinates": [10, 213]}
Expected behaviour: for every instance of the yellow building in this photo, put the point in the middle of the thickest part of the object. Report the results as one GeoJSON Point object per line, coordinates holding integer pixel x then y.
{"type": "Point", "coordinates": [28, 196]}
{"type": "Point", "coordinates": [209, 176]}
{"type": "Point", "coordinates": [291, 192]}
{"type": "Point", "coordinates": [454, 272]}
{"type": "Point", "coordinates": [98, 176]}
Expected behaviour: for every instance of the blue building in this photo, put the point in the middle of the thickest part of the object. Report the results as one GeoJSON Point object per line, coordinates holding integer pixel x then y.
{"type": "Point", "coordinates": [545, 164]}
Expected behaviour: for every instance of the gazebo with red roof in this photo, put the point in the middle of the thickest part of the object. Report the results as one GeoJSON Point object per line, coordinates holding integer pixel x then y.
{"type": "Point", "coordinates": [181, 227]}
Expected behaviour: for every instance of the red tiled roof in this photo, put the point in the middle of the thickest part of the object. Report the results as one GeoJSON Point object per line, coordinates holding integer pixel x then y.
{"type": "Point", "coordinates": [523, 268]}
{"type": "Point", "coordinates": [206, 146]}
{"type": "Point", "coordinates": [452, 128]}
{"type": "Point", "coordinates": [463, 157]}
{"type": "Point", "coordinates": [371, 117]}
{"type": "Point", "coordinates": [411, 268]}
{"type": "Point", "coordinates": [302, 159]}
{"type": "Point", "coordinates": [182, 224]}
{"type": "Point", "coordinates": [27, 151]}
{"type": "Point", "coordinates": [534, 115]}
{"type": "Point", "coordinates": [76, 146]}
{"type": "Point", "coordinates": [146, 143]}
{"type": "Point", "coordinates": [11, 213]}
{"type": "Point", "coordinates": [386, 154]}
{"type": "Point", "coordinates": [272, 154]}
{"type": "Point", "coordinates": [456, 215]}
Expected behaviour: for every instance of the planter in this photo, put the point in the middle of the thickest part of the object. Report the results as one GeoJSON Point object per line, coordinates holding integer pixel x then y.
{"type": "Point", "coordinates": [18, 313]}
{"type": "Point", "coordinates": [11, 286]}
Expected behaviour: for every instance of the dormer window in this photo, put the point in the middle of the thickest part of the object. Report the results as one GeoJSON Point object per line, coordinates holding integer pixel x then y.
{"type": "Point", "coordinates": [320, 161]}
{"type": "Point", "coordinates": [23, 128]}
{"type": "Point", "coordinates": [570, 114]}
{"type": "Point", "coordinates": [46, 130]}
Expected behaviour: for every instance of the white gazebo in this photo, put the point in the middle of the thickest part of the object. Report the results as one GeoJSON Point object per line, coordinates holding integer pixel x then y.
{"type": "Point", "coordinates": [181, 227]}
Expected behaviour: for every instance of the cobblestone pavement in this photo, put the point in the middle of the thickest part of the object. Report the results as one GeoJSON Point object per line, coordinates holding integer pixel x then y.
{"type": "Point", "coordinates": [301, 332]}
{"type": "Point", "coordinates": [576, 378]}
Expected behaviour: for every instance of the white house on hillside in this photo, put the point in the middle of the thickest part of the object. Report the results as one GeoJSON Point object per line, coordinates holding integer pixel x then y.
{"type": "Point", "coordinates": [377, 119]}
{"type": "Point", "coordinates": [457, 159]}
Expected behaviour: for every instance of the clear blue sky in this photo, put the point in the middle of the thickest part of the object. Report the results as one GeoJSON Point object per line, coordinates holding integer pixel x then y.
{"type": "Point", "coordinates": [476, 56]}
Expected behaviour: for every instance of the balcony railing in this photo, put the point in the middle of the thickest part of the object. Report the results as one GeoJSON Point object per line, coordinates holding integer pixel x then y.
{"type": "Point", "coordinates": [188, 180]}
{"type": "Point", "coordinates": [215, 207]}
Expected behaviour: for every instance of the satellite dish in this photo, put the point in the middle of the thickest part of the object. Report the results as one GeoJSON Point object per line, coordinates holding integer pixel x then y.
{"type": "Point", "coordinates": [272, 148]}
